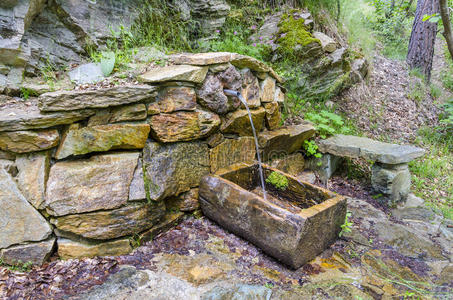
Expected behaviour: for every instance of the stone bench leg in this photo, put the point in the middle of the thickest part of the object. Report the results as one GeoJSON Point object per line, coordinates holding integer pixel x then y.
{"type": "Point", "coordinates": [325, 166]}
{"type": "Point", "coordinates": [393, 181]}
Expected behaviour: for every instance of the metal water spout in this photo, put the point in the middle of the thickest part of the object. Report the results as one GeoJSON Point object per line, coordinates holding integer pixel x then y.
{"type": "Point", "coordinates": [239, 96]}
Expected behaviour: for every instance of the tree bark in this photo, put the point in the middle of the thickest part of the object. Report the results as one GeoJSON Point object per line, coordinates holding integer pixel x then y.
{"type": "Point", "coordinates": [444, 13]}
{"type": "Point", "coordinates": [423, 37]}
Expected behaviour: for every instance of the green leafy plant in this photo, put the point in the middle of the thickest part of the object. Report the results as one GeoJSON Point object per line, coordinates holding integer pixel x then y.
{"type": "Point", "coordinates": [269, 285]}
{"type": "Point", "coordinates": [135, 240]}
{"type": "Point", "coordinates": [278, 180]}
{"type": "Point", "coordinates": [447, 117]}
{"type": "Point", "coordinates": [19, 266]}
{"type": "Point", "coordinates": [311, 149]}
{"type": "Point", "coordinates": [435, 91]}
{"type": "Point", "coordinates": [107, 63]}
{"type": "Point", "coordinates": [327, 123]}
{"type": "Point", "coordinates": [346, 226]}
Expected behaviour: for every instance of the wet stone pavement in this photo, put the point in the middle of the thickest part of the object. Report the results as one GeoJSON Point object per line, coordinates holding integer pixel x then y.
{"type": "Point", "coordinates": [407, 254]}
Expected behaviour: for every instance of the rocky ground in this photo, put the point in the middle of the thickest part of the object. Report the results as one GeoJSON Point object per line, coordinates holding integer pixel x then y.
{"type": "Point", "coordinates": [406, 251]}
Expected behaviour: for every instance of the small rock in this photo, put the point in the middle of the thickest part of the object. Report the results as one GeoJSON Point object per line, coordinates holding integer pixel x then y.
{"type": "Point", "coordinates": [19, 221]}
{"type": "Point", "coordinates": [32, 176]}
{"type": "Point", "coordinates": [250, 89]}
{"type": "Point", "coordinates": [189, 201]}
{"type": "Point", "coordinates": [68, 249]}
{"type": "Point", "coordinates": [37, 253]}
{"type": "Point", "coordinates": [273, 115]}
{"type": "Point", "coordinates": [215, 139]}
{"type": "Point", "coordinates": [327, 43]}
{"type": "Point", "coordinates": [175, 73]}
{"type": "Point", "coordinates": [267, 87]}
{"type": "Point", "coordinates": [86, 74]}
{"type": "Point", "coordinates": [28, 141]}
{"type": "Point", "coordinates": [183, 125]}
{"type": "Point", "coordinates": [202, 59]}
{"type": "Point", "coordinates": [133, 112]}
{"type": "Point", "coordinates": [137, 190]}
{"type": "Point", "coordinates": [238, 122]}
{"type": "Point", "coordinates": [78, 141]}
{"type": "Point", "coordinates": [391, 180]}
{"type": "Point", "coordinates": [284, 141]}
{"type": "Point", "coordinates": [173, 99]}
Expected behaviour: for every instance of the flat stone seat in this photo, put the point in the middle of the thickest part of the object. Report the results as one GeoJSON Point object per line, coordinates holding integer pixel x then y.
{"type": "Point", "coordinates": [361, 147]}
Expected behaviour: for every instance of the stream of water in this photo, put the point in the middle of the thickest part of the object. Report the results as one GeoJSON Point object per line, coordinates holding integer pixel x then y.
{"type": "Point", "coordinates": [239, 96]}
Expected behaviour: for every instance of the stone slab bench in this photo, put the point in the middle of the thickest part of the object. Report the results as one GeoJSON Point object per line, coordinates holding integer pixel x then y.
{"type": "Point", "coordinates": [390, 172]}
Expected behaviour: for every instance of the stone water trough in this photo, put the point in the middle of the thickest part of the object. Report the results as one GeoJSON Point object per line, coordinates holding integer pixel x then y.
{"type": "Point", "coordinates": [293, 225]}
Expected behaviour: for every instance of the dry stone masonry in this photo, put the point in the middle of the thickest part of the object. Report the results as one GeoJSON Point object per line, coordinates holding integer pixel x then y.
{"type": "Point", "coordinates": [88, 171]}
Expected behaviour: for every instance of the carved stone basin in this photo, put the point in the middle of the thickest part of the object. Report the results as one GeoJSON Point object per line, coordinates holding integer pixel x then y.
{"type": "Point", "coordinates": [293, 225]}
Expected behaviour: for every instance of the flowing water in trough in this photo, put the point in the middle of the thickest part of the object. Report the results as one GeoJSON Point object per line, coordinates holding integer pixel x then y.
{"type": "Point", "coordinates": [239, 96]}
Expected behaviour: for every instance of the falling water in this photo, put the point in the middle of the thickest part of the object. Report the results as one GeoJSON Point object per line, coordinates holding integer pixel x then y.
{"type": "Point", "coordinates": [239, 96]}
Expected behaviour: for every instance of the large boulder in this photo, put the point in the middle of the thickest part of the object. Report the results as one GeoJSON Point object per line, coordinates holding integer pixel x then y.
{"type": "Point", "coordinates": [49, 38]}
{"type": "Point", "coordinates": [19, 221]}
{"type": "Point", "coordinates": [209, 14]}
{"type": "Point", "coordinates": [171, 169]}
{"type": "Point", "coordinates": [93, 22]}
{"type": "Point", "coordinates": [15, 18]}
{"type": "Point", "coordinates": [100, 182]}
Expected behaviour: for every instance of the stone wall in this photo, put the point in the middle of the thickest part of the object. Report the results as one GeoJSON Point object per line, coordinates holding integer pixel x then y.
{"type": "Point", "coordinates": [37, 33]}
{"type": "Point", "coordinates": [91, 171]}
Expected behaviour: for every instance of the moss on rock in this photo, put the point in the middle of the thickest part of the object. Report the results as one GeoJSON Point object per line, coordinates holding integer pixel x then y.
{"type": "Point", "coordinates": [293, 33]}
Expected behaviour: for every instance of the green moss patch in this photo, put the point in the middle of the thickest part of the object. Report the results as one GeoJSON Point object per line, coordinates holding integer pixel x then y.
{"type": "Point", "coordinates": [293, 32]}
{"type": "Point", "coordinates": [278, 180]}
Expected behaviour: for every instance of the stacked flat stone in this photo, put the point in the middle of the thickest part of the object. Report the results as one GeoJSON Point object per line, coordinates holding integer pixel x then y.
{"type": "Point", "coordinates": [91, 170]}
{"type": "Point", "coordinates": [390, 173]}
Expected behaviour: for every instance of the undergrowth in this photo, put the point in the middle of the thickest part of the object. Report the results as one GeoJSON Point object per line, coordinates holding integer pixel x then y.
{"type": "Point", "coordinates": [431, 174]}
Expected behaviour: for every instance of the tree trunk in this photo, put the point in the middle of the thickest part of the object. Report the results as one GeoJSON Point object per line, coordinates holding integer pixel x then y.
{"type": "Point", "coordinates": [444, 13]}
{"type": "Point", "coordinates": [423, 38]}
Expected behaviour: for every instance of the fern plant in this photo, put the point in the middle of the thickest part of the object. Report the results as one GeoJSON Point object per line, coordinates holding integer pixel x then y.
{"type": "Point", "coordinates": [327, 123]}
